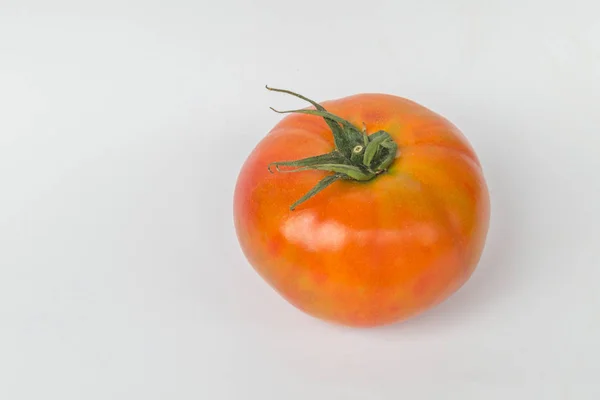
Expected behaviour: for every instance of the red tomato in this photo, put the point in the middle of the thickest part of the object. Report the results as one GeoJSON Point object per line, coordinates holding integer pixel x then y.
{"type": "Point", "coordinates": [363, 211]}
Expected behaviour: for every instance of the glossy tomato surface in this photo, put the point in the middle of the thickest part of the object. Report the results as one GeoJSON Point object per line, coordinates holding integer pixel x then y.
{"type": "Point", "coordinates": [365, 253]}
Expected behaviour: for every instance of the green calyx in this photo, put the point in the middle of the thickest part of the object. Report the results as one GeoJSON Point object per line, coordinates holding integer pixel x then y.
{"type": "Point", "coordinates": [357, 156]}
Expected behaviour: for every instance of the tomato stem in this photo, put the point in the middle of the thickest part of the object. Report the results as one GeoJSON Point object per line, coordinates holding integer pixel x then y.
{"type": "Point", "coordinates": [357, 155]}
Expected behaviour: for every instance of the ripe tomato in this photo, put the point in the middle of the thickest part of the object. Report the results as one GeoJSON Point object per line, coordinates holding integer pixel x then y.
{"type": "Point", "coordinates": [384, 216]}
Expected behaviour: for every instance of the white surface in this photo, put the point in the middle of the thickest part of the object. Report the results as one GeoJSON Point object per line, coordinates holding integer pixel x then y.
{"type": "Point", "coordinates": [123, 126]}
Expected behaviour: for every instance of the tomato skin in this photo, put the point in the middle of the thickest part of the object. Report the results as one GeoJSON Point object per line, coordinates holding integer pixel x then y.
{"type": "Point", "coordinates": [365, 253]}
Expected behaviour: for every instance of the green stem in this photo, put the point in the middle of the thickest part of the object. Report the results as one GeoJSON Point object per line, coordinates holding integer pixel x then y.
{"type": "Point", "coordinates": [339, 136]}
{"type": "Point", "coordinates": [323, 183]}
{"type": "Point", "coordinates": [357, 156]}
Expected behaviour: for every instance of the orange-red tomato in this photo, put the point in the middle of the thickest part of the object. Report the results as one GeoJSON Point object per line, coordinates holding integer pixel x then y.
{"type": "Point", "coordinates": [365, 252]}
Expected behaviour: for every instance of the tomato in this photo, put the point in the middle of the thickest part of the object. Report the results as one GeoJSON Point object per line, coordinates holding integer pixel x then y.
{"type": "Point", "coordinates": [363, 211]}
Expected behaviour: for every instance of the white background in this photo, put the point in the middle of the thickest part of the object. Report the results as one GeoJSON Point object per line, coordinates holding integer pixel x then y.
{"type": "Point", "coordinates": [123, 125]}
